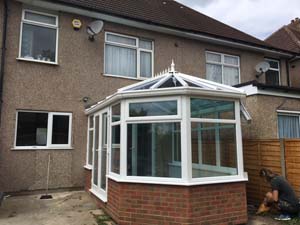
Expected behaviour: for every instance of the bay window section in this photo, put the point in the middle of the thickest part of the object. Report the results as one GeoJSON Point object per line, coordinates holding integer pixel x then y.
{"type": "Point", "coordinates": [43, 130]}
{"type": "Point", "coordinates": [39, 37]}
{"type": "Point", "coordinates": [128, 56]}
{"type": "Point", "coordinates": [151, 148]}
{"type": "Point", "coordinates": [213, 138]}
{"type": "Point", "coordinates": [90, 141]}
{"type": "Point", "coordinates": [115, 138]}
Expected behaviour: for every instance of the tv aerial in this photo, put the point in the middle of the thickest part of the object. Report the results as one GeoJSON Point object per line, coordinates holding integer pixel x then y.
{"type": "Point", "coordinates": [261, 68]}
{"type": "Point", "coordinates": [94, 28]}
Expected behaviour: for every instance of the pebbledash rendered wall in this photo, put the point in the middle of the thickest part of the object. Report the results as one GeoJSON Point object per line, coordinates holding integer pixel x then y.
{"type": "Point", "coordinates": [61, 88]}
{"type": "Point", "coordinates": [153, 204]}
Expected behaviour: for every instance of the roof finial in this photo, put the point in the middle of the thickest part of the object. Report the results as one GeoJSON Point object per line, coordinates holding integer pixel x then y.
{"type": "Point", "coordinates": [172, 66]}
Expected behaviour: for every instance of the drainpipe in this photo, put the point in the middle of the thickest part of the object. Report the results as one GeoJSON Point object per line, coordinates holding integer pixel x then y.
{"type": "Point", "coordinates": [3, 50]}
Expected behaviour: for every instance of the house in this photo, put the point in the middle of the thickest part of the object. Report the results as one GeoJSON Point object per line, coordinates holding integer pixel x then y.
{"type": "Point", "coordinates": [53, 70]}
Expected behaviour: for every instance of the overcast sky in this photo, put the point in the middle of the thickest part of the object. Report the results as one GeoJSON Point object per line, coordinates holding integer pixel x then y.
{"type": "Point", "coordinates": [259, 18]}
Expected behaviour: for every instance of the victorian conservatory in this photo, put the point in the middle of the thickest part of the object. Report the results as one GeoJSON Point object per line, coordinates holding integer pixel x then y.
{"type": "Point", "coordinates": [169, 147]}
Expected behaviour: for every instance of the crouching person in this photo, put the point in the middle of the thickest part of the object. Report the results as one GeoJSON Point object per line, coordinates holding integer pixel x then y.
{"type": "Point", "coordinates": [282, 196]}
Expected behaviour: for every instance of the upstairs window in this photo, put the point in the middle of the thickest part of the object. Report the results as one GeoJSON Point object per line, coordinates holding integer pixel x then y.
{"type": "Point", "coordinates": [222, 68]}
{"type": "Point", "coordinates": [273, 74]}
{"type": "Point", "coordinates": [43, 130]}
{"type": "Point", "coordinates": [128, 56]}
{"type": "Point", "coordinates": [38, 37]}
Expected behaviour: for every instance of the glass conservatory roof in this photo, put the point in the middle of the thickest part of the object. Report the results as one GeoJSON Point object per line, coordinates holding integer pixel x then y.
{"type": "Point", "coordinates": [171, 82]}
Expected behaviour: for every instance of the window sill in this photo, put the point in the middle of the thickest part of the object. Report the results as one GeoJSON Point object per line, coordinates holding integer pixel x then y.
{"type": "Point", "coordinates": [40, 148]}
{"type": "Point", "coordinates": [101, 197]}
{"type": "Point", "coordinates": [88, 167]}
{"type": "Point", "coordinates": [124, 77]}
{"type": "Point", "coordinates": [38, 61]}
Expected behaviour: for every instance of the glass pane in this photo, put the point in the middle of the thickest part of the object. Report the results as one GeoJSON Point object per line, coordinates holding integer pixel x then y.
{"type": "Point", "coordinates": [115, 149]}
{"type": "Point", "coordinates": [121, 39]}
{"type": "Point", "coordinates": [40, 18]}
{"type": "Point", "coordinates": [213, 149]}
{"type": "Point", "coordinates": [272, 77]}
{"type": "Point", "coordinates": [91, 118]}
{"type": "Point", "coordinates": [214, 72]}
{"type": "Point", "coordinates": [97, 132]}
{"type": "Point", "coordinates": [146, 64]}
{"type": "Point", "coordinates": [103, 151]}
{"type": "Point", "coordinates": [90, 153]}
{"type": "Point", "coordinates": [144, 44]}
{"type": "Point", "coordinates": [172, 82]}
{"type": "Point", "coordinates": [288, 126]}
{"type": "Point", "coordinates": [95, 168]}
{"type": "Point", "coordinates": [120, 61]}
{"type": "Point", "coordinates": [161, 108]}
{"type": "Point", "coordinates": [273, 64]}
{"type": "Point", "coordinates": [38, 43]}
{"type": "Point", "coordinates": [213, 57]}
{"type": "Point", "coordinates": [151, 150]}
{"type": "Point", "coordinates": [212, 109]}
{"type": "Point", "coordinates": [116, 113]}
{"type": "Point", "coordinates": [60, 129]}
{"type": "Point", "coordinates": [32, 129]}
{"type": "Point", "coordinates": [233, 60]}
{"type": "Point", "coordinates": [231, 75]}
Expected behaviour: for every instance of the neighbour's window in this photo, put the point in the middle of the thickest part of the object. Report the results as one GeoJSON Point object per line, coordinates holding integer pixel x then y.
{"type": "Point", "coordinates": [222, 68]}
{"type": "Point", "coordinates": [152, 148]}
{"type": "Point", "coordinates": [128, 56]}
{"type": "Point", "coordinates": [42, 129]}
{"type": "Point", "coordinates": [213, 134]}
{"type": "Point", "coordinates": [289, 126]}
{"type": "Point", "coordinates": [273, 74]}
{"type": "Point", "coordinates": [39, 36]}
{"type": "Point", "coordinates": [115, 138]}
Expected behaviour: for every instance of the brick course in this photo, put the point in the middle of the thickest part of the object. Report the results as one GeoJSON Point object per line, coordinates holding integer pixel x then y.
{"type": "Point", "coordinates": [151, 204]}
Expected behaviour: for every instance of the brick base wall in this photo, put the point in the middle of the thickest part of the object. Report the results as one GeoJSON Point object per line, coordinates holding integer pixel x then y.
{"type": "Point", "coordinates": [141, 204]}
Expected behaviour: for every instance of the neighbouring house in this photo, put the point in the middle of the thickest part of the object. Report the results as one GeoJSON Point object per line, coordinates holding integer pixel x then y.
{"type": "Point", "coordinates": [52, 70]}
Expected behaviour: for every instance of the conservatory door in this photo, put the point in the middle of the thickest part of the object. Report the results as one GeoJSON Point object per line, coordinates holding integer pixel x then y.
{"type": "Point", "coordinates": [99, 179]}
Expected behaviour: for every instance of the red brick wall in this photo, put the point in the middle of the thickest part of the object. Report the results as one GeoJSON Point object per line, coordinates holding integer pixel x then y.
{"type": "Point", "coordinates": [141, 204]}
{"type": "Point", "coordinates": [88, 178]}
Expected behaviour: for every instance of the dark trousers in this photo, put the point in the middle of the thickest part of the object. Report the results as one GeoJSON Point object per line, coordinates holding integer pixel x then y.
{"type": "Point", "coordinates": [286, 207]}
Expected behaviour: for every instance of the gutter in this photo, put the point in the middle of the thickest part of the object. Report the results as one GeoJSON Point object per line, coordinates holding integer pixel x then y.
{"type": "Point", "coordinates": [3, 50]}
{"type": "Point", "coordinates": [145, 26]}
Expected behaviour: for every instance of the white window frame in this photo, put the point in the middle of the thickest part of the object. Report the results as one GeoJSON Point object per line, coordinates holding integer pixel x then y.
{"type": "Point", "coordinates": [87, 164]}
{"type": "Point", "coordinates": [138, 58]}
{"type": "Point", "coordinates": [287, 113]}
{"type": "Point", "coordinates": [38, 24]}
{"type": "Point", "coordinates": [275, 69]}
{"type": "Point", "coordinates": [49, 145]}
{"type": "Point", "coordinates": [222, 63]}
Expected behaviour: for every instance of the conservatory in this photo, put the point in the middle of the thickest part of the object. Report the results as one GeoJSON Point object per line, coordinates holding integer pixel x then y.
{"type": "Point", "coordinates": [170, 140]}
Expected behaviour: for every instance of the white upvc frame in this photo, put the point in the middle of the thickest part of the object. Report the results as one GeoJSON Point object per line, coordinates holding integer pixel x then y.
{"type": "Point", "coordinates": [49, 144]}
{"type": "Point", "coordinates": [275, 69]}
{"type": "Point", "coordinates": [87, 164]}
{"type": "Point", "coordinates": [38, 24]}
{"type": "Point", "coordinates": [138, 53]}
{"type": "Point", "coordinates": [222, 63]}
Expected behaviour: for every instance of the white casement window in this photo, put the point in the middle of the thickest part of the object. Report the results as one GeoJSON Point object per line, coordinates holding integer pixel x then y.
{"type": "Point", "coordinates": [42, 130]}
{"type": "Point", "coordinates": [128, 56]}
{"type": "Point", "coordinates": [39, 37]}
{"type": "Point", "coordinates": [90, 137]}
{"type": "Point", "coordinates": [289, 124]}
{"type": "Point", "coordinates": [273, 74]}
{"type": "Point", "coordinates": [115, 138]}
{"type": "Point", "coordinates": [223, 68]}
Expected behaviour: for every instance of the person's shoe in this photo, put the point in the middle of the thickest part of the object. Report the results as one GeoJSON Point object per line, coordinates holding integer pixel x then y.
{"type": "Point", "coordinates": [283, 217]}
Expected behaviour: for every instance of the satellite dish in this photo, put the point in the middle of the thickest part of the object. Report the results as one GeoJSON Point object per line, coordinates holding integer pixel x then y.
{"type": "Point", "coordinates": [262, 67]}
{"type": "Point", "coordinates": [94, 28]}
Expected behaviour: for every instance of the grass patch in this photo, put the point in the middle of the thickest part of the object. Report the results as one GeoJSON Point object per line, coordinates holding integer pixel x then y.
{"type": "Point", "coordinates": [295, 221]}
{"type": "Point", "coordinates": [102, 219]}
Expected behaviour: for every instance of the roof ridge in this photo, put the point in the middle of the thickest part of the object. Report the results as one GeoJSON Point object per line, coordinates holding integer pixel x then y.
{"type": "Point", "coordinates": [267, 38]}
{"type": "Point", "coordinates": [292, 35]}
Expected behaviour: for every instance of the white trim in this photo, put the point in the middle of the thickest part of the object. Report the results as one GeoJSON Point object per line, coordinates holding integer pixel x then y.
{"type": "Point", "coordinates": [39, 24]}
{"type": "Point", "coordinates": [288, 112]}
{"type": "Point", "coordinates": [136, 24]}
{"type": "Point", "coordinates": [275, 69]}
{"type": "Point", "coordinates": [49, 144]}
{"type": "Point", "coordinates": [138, 53]}
{"type": "Point", "coordinates": [98, 195]}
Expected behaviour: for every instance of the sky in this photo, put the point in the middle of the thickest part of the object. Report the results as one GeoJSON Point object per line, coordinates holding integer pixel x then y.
{"type": "Point", "coordinates": [259, 18]}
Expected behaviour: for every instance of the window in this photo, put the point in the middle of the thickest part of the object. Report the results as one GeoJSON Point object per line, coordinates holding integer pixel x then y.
{"type": "Point", "coordinates": [151, 148]}
{"type": "Point", "coordinates": [289, 126]}
{"type": "Point", "coordinates": [115, 139]}
{"type": "Point", "coordinates": [38, 40]}
{"type": "Point", "coordinates": [223, 68]}
{"type": "Point", "coordinates": [214, 150]}
{"type": "Point", "coordinates": [90, 140]}
{"type": "Point", "coordinates": [128, 56]}
{"type": "Point", "coordinates": [273, 74]}
{"type": "Point", "coordinates": [159, 108]}
{"type": "Point", "coordinates": [41, 129]}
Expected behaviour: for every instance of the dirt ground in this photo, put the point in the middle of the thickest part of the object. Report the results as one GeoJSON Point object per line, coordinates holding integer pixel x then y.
{"type": "Point", "coordinates": [77, 208]}
{"type": "Point", "coordinates": [67, 208]}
